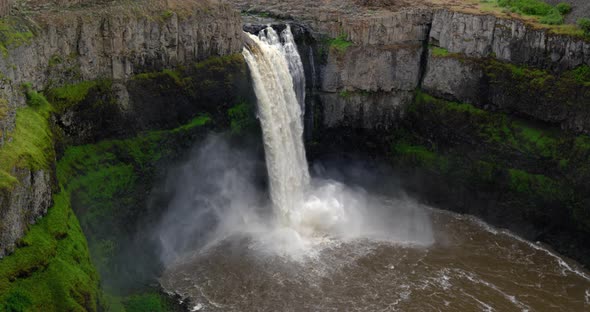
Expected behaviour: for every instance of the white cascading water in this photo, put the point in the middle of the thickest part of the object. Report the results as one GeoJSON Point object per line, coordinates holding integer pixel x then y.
{"type": "Point", "coordinates": [310, 212]}
{"type": "Point", "coordinates": [295, 65]}
{"type": "Point", "coordinates": [279, 84]}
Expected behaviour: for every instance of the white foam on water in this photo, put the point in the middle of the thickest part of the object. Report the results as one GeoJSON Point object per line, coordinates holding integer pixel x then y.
{"type": "Point", "coordinates": [475, 279]}
{"type": "Point", "coordinates": [559, 260]}
{"type": "Point", "coordinates": [486, 307]}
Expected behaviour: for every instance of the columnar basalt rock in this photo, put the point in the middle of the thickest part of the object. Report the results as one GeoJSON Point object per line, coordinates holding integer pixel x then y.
{"type": "Point", "coordinates": [507, 40]}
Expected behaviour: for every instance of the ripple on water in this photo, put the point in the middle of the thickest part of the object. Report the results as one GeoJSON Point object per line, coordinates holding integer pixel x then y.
{"type": "Point", "coordinates": [475, 268]}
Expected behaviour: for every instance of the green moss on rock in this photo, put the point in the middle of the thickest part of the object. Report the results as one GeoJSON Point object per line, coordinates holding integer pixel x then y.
{"type": "Point", "coordinates": [107, 183]}
{"type": "Point", "coordinates": [420, 156]}
{"type": "Point", "coordinates": [534, 184]}
{"type": "Point", "coordinates": [30, 145]}
{"type": "Point", "coordinates": [51, 270]}
{"type": "Point", "coordinates": [71, 95]}
{"type": "Point", "coordinates": [242, 117]}
{"type": "Point", "coordinates": [439, 52]}
{"type": "Point", "coordinates": [339, 44]}
{"type": "Point", "coordinates": [14, 32]}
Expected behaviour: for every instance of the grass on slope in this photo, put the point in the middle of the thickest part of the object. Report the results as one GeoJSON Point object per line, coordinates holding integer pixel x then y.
{"type": "Point", "coordinates": [31, 144]}
{"type": "Point", "coordinates": [51, 270]}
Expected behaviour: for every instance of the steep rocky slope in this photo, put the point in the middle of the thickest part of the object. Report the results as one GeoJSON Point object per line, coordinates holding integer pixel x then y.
{"type": "Point", "coordinates": [131, 86]}
{"type": "Point", "coordinates": [112, 42]}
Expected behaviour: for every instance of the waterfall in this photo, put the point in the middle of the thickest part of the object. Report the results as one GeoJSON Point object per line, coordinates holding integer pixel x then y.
{"type": "Point", "coordinates": [309, 118]}
{"type": "Point", "coordinates": [279, 84]}
{"type": "Point", "coordinates": [295, 65]}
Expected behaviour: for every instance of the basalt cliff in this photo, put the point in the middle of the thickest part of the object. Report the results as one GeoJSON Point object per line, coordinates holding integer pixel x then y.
{"type": "Point", "coordinates": [480, 112]}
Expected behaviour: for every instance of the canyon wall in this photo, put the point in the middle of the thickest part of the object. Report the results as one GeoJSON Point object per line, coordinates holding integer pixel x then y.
{"type": "Point", "coordinates": [111, 42]}
{"type": "Point", "coordinates": [370, 62]}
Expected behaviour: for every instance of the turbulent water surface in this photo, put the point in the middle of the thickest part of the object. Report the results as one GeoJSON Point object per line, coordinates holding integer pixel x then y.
{"type": "Point", "coordinates": [321, 245]}
{"type": "Point", "coordinates": [470, 267]}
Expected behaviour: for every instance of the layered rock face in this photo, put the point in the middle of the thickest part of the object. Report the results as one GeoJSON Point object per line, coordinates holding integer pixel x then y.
{"type": "Point", "coordinates": [482, 114]}
{"type": "Point", "coordinates": [475, 45]}
{"type": "Point", "coordinates": [387, 51]}
{"type": "Point", "coordinates": [368, 81]}
{"type": "Point", "coordinates": [108, 42]}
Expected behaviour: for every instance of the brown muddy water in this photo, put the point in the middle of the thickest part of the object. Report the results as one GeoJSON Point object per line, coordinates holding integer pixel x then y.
{"type": "Point", "coordinates": [470, 266]}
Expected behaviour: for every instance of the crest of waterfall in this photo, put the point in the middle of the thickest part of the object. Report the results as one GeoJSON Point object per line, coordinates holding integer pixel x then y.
{"type": "Point", "coordinates": [279, 84]}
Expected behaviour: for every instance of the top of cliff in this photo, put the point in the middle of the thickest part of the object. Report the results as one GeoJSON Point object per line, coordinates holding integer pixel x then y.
{"type": "Point", "coordinates": [53, 9]}
{"type": "Point", "coordinates": [326, 10]}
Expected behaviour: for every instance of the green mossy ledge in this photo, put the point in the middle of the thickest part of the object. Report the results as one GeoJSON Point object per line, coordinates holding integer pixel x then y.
{"type": "Point", "coordinates": [90, 111]}
{"type": "Point", "coordinates": [104, 181]}
{"type": "Point", "coordinates": [108, 182]}
{"type": "Point", "coordinates": [31, 144]}
{"type": "Point", "coordinates": [549, 95]}
{"type": "Point", "coordinates": [530, 177]}
{"type": "Point", "coordinates": [51, 269]}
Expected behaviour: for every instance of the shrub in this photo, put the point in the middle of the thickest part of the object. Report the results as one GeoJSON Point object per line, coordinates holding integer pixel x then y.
{"type": "Point", "coordinates": [529, 7]}
{"type": "Point", "coordinates": [554, 18]}
{"type": "Point", "coordinates": [584, 24]}
{"type": "Point", "coordinates": [547, 13]}
{"type": "Point", "coordinates": [340, 44]}
{"type": "Point", "coordinates": [563, 8]}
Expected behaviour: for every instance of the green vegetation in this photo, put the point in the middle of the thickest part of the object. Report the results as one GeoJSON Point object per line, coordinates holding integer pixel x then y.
{"type": "Point", "coordinates": [175, 75]}
{"type": "Point", "coordinates": [204, 79]}
{"type": "Point", "coordinates": [55, 60]}
{"type": "Point", "coordinates": [339, 44]}
{"type": "Point", "coordinates": [475, 153]}
{"type": "Point", "coordinates": [581, 74]}
{"type": "Point", "coordinates": [107, 182]}
{"type": "Point", "coordinates": [543, 12]}
{"type": "Point", "coordinates": [167, 14]}
{"type": "Point", "coordinates": [13, 33]}
{"type": "Point", "coordinates": [420, 156]}
{"type": "Point", "coordinates": [547, 13]}
{"type": "Point", "coordinates": [264, 14]}
{"type": "Point", "coordinates": [51, 269]}
{"type": "Point", "coordinates": [563, 8]}
{"type": "Point", "coordinates": [146, 302]}
{"type": "Point", "coordinates": [502, 140]}
{"type": "Point", "coordinates": [523, 182]}
{"type": "Point", "coordinates": [345, 94]}
{"type": "Point", "coordinates": [493, 128]}
{"type": "Point", "coordinates": [31, 146]}
{"type": "Point", "coordinates": [584, 24]}
{"type": "Point", "coordinates": [219, 63]}
{"type": "Point", "coordinates": [439, 52]}
{"type": "Point", "coordinates": [529, 87]}
{"type": "Point", "coordinates": [73, 94]}
{"type": "Point", "coordinates": [242, 117]}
